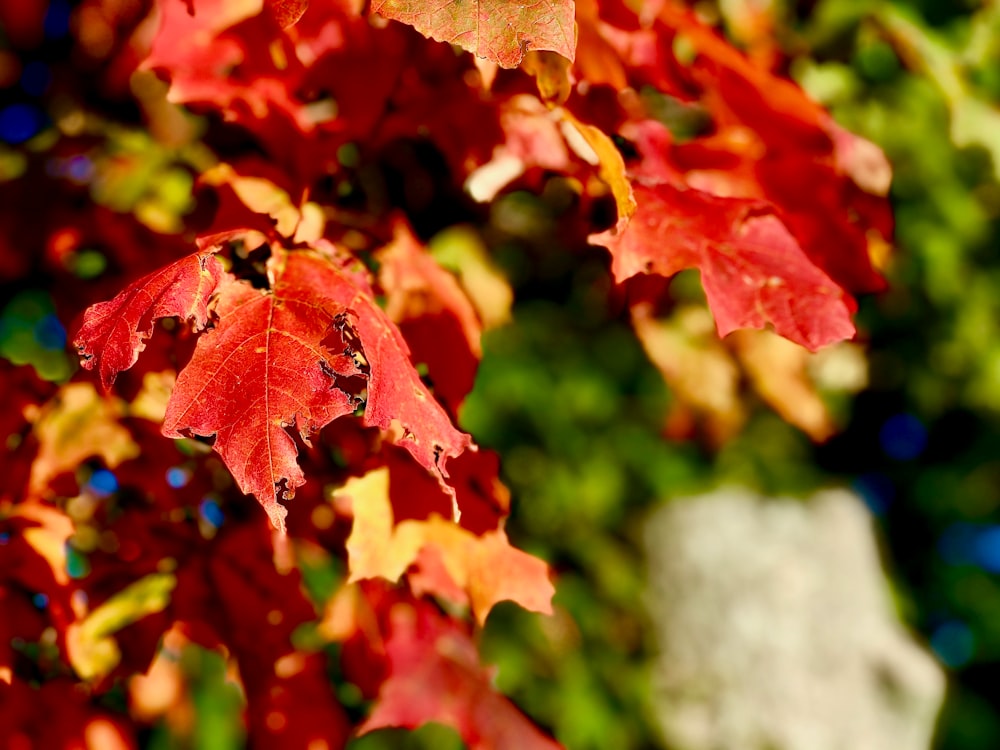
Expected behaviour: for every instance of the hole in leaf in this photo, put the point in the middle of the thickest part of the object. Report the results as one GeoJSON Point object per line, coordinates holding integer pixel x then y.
{"type": "Point", "coordinates": [251, 264]}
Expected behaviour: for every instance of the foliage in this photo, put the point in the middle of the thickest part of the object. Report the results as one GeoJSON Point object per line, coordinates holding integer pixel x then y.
{"type": "Point", "coordinates": [295, 287]}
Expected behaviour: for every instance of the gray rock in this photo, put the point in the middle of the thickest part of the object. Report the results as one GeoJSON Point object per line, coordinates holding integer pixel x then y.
{"type": "Point", "coordinates": [777, 630]}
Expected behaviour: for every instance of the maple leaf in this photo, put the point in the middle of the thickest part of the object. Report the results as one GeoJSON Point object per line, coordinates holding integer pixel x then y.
{"type": "Point", "coordinates": [113, 333]}
{"type": "Point", "coordinates": [498, 30]}
{"type": "Point", "coordinates": [262, 369]}
{"type": "Point", "coordinates": [778, 372]}
{"type": "Point", "coordinates": [433, 312]}
{"type": "Point", "coordinates": [487, 569]}
{"type": "Point", "coordinates": [799, 143]}
{"type": "Point", "coordinates": [753, 271]}
{"type": "Point", "coordinates": [395, 391]}
{"type": "Point", "coordinates": [434, 674]}
{"type": "Point", "coordinates": [695, 365]}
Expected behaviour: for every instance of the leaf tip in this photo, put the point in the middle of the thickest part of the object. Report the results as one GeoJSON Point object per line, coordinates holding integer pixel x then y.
{"type": "Point", "coordinates": [276, 514]}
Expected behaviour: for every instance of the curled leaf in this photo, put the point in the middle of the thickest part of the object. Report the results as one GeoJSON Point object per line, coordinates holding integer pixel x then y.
{"type": "Point", "coordinates": [113, 333]}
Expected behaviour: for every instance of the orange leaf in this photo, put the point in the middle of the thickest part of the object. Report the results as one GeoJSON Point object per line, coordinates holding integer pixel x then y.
{"type": "Point", "coordinates": [499, 30]}
{"type": "Point", "coordinates": [486, 568]}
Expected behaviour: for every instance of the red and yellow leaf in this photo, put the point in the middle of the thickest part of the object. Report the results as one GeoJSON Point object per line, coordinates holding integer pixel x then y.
{"type": "Point", "coordinates": [486, 569]}
{"type": "Point", "coordinates": [498, 30]}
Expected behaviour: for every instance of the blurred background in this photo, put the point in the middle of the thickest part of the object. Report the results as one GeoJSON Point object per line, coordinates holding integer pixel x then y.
{"type": "Point", "coordinates": [595, 438]}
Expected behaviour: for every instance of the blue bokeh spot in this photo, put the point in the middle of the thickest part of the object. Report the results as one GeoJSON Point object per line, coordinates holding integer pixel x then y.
{"type": "Point", "coordinates": [50, 333]}
{"type": "Point", "coordinates": [903, 437]}
{"type": "Point", "coordinates": [57, 19]}
{"type": "Point", "coordinates": [211, 512]}
{"type": "Point", "coordinates": [19, 123]}
{"type": "Point", "coordinates": [103, 483]}
{"type": "Point", "coordinates": [178, 477]}
{"type": "Point", "coordinates": [79, 168]}
{"type": "Point", "coordinates": [986, 549]}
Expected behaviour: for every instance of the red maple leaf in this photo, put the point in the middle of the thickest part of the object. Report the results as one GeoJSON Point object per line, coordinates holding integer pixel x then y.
{"type": "Point", "coordinates": [395, 391]}
{"type": "Point", "coordinates": [753, 270]}
{"type": "Point", "coordinates": [262, 369]}
{"type": "Point", "coordinates": [434, 314]}
{"type": "Point", "coordinates": [434, 674]}
{"type": "Point", "coordinates": [113, 333]}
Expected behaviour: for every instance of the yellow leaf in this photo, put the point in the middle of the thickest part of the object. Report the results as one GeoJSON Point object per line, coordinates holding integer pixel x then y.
{"type": "Point", "coordinates": [90, 643]}
{"type": "Point", "coordinates": [778, 370]}
{"type": "Point", "coordinates": [77, 424]}
{"type": "Point", "coordinates": [551, 72]}
{"type": "Point", "coordinates": [611, 165]}
{"type": "Point", "coordinates": [486, 568]}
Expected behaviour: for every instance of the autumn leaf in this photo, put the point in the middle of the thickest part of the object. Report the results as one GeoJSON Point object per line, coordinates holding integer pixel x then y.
{"type": "Point", "coordinates": [797, 143]}
{"type": "Point", "coordinates": [754, 272]}
{"type": "Point", "coordinates": [91, 646]}
{"type": "Point", "coordinates": [396, 395]}
{"type": "Point", "coordinates": [778, 371]}
{"type": "Point", "coordinates": [498, 30]}
{"type": "Point", "coordinates": [696, 366]}
{"type": "Point", "coordinates": [435, 315]}
{"type": "Point", "coordinates": [610, 164]}
{"type": "Point", "coordinates": [486, 568]}
{"type": "Point", "coordinates": [76, 424]}
{"type": "Point", "coordinates": [435, 675]}
{"type": "Point", "coordinates": [263, 369]}
{"type": "Point", "coordinates": [113, 333]}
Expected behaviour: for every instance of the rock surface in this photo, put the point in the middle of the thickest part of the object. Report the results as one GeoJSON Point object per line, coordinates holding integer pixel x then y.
{"type": "Point", "coordinates": [777, 629]}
